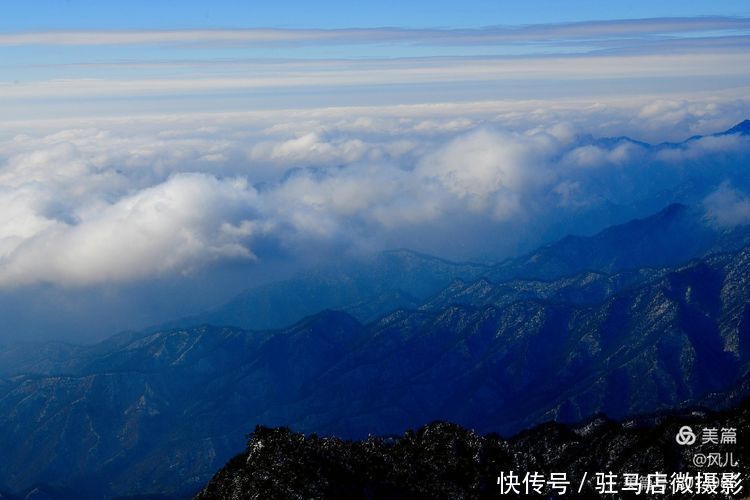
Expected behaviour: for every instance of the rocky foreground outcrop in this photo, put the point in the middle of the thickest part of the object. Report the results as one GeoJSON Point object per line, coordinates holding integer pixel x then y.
{"type": "Point", "coordinates": [444, 460]}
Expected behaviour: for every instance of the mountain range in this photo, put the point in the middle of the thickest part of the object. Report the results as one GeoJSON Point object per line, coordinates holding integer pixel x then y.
{"type": "Point", "coordinates": [370, 287]}
{"type": "Point", "coordinates": [552, 335]}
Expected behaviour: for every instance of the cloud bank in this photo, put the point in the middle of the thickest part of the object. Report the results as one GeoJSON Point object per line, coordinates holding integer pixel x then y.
{"type": "Point", "coordinates": [116, 201]}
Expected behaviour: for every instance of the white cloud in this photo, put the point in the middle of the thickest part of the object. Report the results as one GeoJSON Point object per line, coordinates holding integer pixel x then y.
{"type": "Point", "coordinates": [127, 199]}
{"type": "Point", "coordinates": [568, 71]}
{"type": "Point", "coordinates": [593, 156]}
{"type": "Point", "coordinates": [170, 227]}
{"type": "Point", "coordinates": [490, 169]}
{"type": "Point", "coordinates": [571, 194]}
{"type": "Point", "coordinates": [309, 149]}
{"type": "Point", "coordinates": [727, 207]}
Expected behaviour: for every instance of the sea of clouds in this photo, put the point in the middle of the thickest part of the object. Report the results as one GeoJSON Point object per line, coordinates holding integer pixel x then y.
{"type": "Point", "coordinates": [106, 201]}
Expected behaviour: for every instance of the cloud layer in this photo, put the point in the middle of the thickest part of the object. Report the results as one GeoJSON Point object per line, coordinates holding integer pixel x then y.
{"type": "Point", "coordinates": [112, 201]}
{"type": "Point", "coordinates": [589, 31]}
{"type": "Point", "coordinates": [122, 73]}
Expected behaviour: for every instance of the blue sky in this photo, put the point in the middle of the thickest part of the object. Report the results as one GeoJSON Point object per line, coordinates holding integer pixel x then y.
{"type": "Point", "coordinates": [145, 14]}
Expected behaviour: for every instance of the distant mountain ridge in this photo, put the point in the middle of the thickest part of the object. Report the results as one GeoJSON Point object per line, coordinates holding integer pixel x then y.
{"type": "Point", "coordinates": [368, 287]}
{"type": "Point", "coordinates": [161, 412]}
{"type": "Point", "coordinates": [741, 128]}
{"type": "Point", "coordinates": [619, 256]}
{"type": "Point", "coordinates": [374, 286]}
{"type": "Point", "coordinates": [672, 236]}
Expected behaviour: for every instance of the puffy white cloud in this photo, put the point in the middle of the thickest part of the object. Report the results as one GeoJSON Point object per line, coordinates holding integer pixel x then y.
{"type": "Point", "coordinates": [169, 227]}
{"type": "Point", "coordinates": [592, 155]}
{"type": "Point", "coordinates": [310, 149]}
{"type": "Point", "coordinates": [488, 169]}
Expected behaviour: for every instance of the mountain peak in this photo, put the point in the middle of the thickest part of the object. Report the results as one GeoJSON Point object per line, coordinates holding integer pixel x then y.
{"type": "Point", "coordinates": [741, 128]}
{"type": "Point", "coordinates": [328, 318]}
{"type": "Point", "coordinates": [671, 210]}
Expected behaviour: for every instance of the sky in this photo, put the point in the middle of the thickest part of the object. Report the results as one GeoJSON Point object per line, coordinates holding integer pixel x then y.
{"type": "Point", "coordinates": [158, 157]}
{"type": "Point", "coordinates": [41, 15]}
{"type": "Point", "coordinates": [75, 58]}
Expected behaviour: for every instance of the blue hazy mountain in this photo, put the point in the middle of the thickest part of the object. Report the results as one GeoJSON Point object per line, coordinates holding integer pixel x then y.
{"type": "Point", "coordinates": [674, 235]}
{"type": "Point", "coordinates": [162, 411]}
{"type": "Point", "coordinates": [367, 287]}
{"type": "Point", "coordinates": [372, 286]}
{"type": "Point", "coordinates": [741, 128]}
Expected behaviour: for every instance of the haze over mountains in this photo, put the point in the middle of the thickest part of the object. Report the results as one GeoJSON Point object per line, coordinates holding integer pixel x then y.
{"type": "Point", "coordinates": [496, 349]}
{"type": "Point", "coordinates": [705, 172]}
{"type": "Point", "coordinates": [390, 280]}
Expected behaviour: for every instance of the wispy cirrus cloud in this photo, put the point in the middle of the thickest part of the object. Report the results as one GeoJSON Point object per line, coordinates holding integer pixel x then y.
{"type": "Point", "coordinates": [590, 31]}
{"type": "Point", "coordinates": [74, 73]}
{"type": "Point", "coordinates": [418, 72]}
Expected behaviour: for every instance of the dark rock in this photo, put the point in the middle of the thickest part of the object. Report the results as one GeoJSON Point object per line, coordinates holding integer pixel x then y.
{"type": "Point", "coordinates": [444, 460]}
